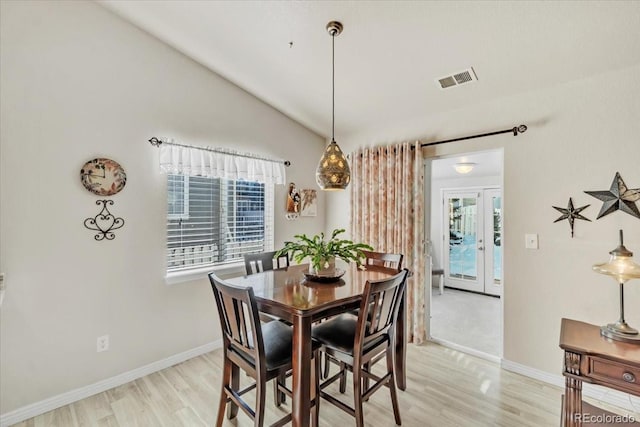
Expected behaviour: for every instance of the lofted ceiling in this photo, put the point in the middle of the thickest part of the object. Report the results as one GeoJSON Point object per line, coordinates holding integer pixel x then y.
{"type": "Point", "coordinates": [391, 53]}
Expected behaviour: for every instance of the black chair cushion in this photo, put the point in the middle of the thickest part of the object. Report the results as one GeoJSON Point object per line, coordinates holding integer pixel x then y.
{"type": "Point", "coordinates": [278, 338]}
{"type": "Point", "coordinates": [278, 350]}
{"type": "Point", "coordinates": [339, 333]}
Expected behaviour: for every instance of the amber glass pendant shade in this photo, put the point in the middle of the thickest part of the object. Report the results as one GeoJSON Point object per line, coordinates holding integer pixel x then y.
{"type": "Point", "coordinates": [622, 268]}
{"type": "Point", "coordinates": [333, 172]}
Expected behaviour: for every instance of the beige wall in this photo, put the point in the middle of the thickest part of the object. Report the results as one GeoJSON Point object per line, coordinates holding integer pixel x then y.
{"type": "Point", "coordinates": [580, 134]}
{"type": "Point", "coordinates": [77, 82]}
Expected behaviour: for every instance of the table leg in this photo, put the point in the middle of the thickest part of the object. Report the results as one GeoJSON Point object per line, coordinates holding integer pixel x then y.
{"type": "Point", "coordinates": [572, 411]}
{"type": "Point", "coordinates": [400, 356]}
{"type": "Point", "coordinates": [301, 400]}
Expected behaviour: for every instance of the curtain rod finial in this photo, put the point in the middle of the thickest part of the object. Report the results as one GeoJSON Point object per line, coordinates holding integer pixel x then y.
{"type": "Point", "coordinates": [519, 129]}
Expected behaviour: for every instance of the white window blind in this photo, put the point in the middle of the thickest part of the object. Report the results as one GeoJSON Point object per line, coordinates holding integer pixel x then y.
{"type": "Point", "coordinates": [213, 221]}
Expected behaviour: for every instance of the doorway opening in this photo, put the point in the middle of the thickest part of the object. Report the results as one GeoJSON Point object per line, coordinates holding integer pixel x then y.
{"type": "Point", "coordinates": [466, 253]}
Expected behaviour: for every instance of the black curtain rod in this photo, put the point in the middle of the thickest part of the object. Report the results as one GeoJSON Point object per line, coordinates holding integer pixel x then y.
{"type": "Point", "coordinates": [516, 130]}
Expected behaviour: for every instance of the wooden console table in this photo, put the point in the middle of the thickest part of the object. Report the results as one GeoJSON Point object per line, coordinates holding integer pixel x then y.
{"type": "Point", "coordinates": [591, 358]}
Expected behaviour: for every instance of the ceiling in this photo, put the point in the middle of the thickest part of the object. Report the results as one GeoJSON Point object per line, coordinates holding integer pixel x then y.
{"type": "Point", "coordinates": [487, 163]}
{"type": "Point", "coordinates": [390, 54]}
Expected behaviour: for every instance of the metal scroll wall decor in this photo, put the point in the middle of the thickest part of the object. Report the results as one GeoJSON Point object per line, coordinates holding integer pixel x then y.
{"type": "Point", "coordinates": [104, 223]}
{"type": "Point", "coordinates": [103, 177]}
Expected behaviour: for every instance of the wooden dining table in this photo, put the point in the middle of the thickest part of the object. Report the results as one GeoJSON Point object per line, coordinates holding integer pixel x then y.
{"type": "Point", "coordinates": [287, 294]}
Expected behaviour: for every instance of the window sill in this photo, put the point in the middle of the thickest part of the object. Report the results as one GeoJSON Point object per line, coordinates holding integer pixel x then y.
{"type": "Point", "coordinates": [201, 273]}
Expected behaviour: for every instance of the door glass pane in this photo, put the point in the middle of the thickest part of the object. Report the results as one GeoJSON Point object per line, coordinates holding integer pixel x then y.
{"type": "Point", "coordinates": [497, 239]}
{"type": "Point", "coordinates": [463, 238]}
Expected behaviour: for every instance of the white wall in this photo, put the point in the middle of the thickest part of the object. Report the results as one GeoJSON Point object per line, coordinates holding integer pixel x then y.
{"type": "Point", "coordinates": [580, 134]}
{"type": "Point", "coordinates": [78, 83]}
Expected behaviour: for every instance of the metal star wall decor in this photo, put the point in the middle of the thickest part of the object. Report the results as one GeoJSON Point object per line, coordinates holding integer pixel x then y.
{"type": "Point", "coordinates": [619, 197]}
{"type": "Point", "coordinates": [571, 214]}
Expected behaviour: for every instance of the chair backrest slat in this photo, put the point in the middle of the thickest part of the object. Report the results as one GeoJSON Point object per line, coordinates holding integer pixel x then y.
{"type": "Point", "coordinates": [379, 308]}
{"type": "Point", "coordinates": [386, 307]}
{"type": "Point", "coordinates": [257, 263]}
{"type": "Point", "coordinates": [382, 259]}
{"type": "Point", "coordinates": [232, 322]}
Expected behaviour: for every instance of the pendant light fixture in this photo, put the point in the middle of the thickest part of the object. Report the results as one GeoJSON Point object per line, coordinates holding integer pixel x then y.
{"type": "Point", "coordinates": [333, 171]}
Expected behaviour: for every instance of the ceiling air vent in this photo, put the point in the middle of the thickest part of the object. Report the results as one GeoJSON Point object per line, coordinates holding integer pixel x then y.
{"type": "Point", "coordinates": [457, 79]}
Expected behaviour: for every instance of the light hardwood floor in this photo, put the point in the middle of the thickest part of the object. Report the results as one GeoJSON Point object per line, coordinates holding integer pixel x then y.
{"type": "Point", "coordinates": [444, 388]}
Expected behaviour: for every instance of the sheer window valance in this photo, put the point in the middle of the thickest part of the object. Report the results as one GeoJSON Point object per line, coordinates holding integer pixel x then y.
{"type": "Point", "coordinates": [180, 159]}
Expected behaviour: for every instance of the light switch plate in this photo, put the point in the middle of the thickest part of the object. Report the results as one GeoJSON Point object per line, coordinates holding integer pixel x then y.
{"type": "Point", "coordinates": [531, 241]}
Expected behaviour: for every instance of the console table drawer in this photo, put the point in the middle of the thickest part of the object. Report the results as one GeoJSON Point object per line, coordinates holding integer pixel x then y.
{"type": "Point", "coordinates": [614, 372]}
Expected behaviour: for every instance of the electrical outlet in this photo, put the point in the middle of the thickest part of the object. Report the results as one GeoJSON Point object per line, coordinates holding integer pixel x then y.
{"type": "Point", "coordinates": [102, 343]}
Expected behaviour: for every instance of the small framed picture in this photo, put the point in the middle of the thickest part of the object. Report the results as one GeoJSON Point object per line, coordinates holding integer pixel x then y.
{"type": "Point", "coordinates": [309, 203]}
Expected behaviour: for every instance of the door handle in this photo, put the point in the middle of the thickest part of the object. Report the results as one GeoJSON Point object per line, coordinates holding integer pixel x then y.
{"type": "Point", "coordinates": [480, 248]}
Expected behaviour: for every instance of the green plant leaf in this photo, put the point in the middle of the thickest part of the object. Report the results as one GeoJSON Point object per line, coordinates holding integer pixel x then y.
{"type": "Point", "coordinates": [320, 251]}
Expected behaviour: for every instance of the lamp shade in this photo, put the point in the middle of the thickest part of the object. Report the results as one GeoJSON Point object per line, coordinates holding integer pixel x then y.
{"type": "Point", "coordinates": [333, 172]}
{"type": "Point", "coordinates": [620, 267]}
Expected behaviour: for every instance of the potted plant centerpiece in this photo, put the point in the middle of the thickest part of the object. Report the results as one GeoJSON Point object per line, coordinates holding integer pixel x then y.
{"type": "Point", "coordinates": [322, 254]}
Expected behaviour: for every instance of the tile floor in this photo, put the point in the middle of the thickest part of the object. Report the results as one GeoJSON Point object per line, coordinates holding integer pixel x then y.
{"type": "Point", "coordinates": [467, 319]}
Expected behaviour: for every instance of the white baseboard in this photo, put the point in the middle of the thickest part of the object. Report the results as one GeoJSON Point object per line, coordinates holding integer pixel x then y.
{"type": "Point", "coordinates": [68, 397]}
{"type": "Point", "coordinates": [468, 350]}
{"type": "Point", "coordinates": [601, 394]}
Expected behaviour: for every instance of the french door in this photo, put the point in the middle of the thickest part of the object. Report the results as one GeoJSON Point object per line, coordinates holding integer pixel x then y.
{"type": "Point", "coordinates": [473, 240]}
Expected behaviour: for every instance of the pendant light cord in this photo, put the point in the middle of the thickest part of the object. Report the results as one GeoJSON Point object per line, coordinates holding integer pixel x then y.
{"type": "Point", "coordinates": [333, 86]}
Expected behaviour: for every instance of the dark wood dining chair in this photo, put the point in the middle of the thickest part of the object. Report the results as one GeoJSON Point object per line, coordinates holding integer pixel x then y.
{"type": "Point", "coordinates": [356, 341]}
{"type": "Point", "coordinates": [379, 261]}
{"type": "Point", "coordinates": [257, 263]}
{"type": "Point", "coordinates": [264, 352]}
{"type": "Point", "coordinates": [382, 259]}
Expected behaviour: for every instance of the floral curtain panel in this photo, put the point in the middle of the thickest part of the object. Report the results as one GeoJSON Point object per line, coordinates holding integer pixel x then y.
{"type": "Point", "coordinates": [194, 161]}
{"type": "Point", "coordinates": [387, 194]}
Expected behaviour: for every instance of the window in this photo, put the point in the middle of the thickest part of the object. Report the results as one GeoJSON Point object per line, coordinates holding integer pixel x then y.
{"type": "Point", "coordinates": [213, 221]}
{"type": "Point", "coordinates": [178, 197]}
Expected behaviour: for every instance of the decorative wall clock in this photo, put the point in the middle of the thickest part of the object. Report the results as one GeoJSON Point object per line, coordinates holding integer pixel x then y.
{"type": "Point", "coordinates": [103, 177]}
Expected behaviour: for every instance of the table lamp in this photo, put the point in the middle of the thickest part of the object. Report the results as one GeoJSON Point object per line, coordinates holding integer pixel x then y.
{"type": "Point", "coordinates": [622, 268]}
